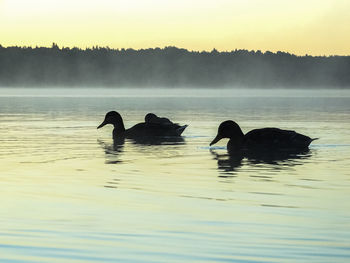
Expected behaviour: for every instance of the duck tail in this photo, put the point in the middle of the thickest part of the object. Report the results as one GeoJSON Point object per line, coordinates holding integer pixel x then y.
{"type": "Point", "coordinates": [181, 129]}
{"type": "Point", "coordinates": [311, 140]}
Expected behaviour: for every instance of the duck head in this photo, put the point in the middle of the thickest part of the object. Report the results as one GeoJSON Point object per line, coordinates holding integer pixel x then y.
{"type": "Point", "coordinates": [113, 118]}
{"type": "Point", "coordinates": [228, 129]}
{"type": "Point", "coordinates": [151, 117]}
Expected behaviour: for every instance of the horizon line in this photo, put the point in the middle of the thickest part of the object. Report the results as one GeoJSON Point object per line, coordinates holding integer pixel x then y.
{"type": "Point", "coordinates": [54, 44]}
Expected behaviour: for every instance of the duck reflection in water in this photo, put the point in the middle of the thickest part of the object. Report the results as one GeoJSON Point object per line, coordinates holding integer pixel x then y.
{"type": "Point", "coordinates": [226, 162]}
{"type": "Point", "coordinates": [113, 151]}
{"type": "Point", "coordinates": [148, 145]}
{"type": "Point", "coordinates": [230, 162]}
{"type": "Point", "coordinates": [267, 145]}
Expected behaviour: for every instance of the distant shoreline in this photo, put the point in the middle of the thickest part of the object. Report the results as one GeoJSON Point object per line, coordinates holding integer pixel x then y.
{"type": "Point", "coordinates": [169, 67]}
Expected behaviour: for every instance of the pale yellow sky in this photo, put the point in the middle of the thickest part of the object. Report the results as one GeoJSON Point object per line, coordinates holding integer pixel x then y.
{"type": "Point", "coordinates": [316, 27]}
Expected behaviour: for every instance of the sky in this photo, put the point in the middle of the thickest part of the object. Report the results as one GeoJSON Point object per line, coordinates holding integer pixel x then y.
{"type": "Point", "coordinates": [314, 27]}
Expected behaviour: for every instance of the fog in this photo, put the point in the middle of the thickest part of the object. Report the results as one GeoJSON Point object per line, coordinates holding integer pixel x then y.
{"type": "Point", "coordinates": [168, 68]}
{"type": "Point", "coordinates": [99, 92]}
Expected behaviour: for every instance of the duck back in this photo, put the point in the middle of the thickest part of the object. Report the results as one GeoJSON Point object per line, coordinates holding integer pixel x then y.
{"type": "Point", "coordinates": [276, 138]}
{"type": "Point", "coordinates": [152, 129]}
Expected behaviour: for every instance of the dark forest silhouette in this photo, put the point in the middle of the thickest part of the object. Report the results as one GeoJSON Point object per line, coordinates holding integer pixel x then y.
{"type": "Point", "coordinates": [167, 67]}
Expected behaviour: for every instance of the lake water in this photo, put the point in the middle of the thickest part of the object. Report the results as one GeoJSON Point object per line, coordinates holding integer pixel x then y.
{"type": "Point", "coordinates": [69, 195]}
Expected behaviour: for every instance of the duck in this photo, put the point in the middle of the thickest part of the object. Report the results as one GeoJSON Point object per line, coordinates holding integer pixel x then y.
{"type": "Point", "coordinates": [140, 130]}
{"type": "Point", "coordinates": [153, 118]}
{"type": "Point", "coordinates": [264, 139]}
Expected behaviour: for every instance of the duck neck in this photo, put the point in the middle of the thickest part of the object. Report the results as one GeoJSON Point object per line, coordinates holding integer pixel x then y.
{"type": "Point", "coordinates": [236, 134]}
{"type": "Point", "coordinates": [236, 143]}
{"type": "Point", "coordinates": [118, 125]}
{"type": "Point", "coordinates": [236, 140]}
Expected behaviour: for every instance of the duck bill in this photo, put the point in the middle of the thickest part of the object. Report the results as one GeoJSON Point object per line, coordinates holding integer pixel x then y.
{"type": "Point", "coordinates": [102, 124]}
{"type": "Point", "coordinates": [216, 139]}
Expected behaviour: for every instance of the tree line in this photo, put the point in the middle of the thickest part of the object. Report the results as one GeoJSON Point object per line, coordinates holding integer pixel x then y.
{"type": "Point", "coordinates": [167, 67]}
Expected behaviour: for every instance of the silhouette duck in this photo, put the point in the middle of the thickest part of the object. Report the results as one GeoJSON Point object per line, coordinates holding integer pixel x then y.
{"type": "Point", "coordinates": [152, 118]}
{"type": "Point", "coordinates": [139, 130]}
{"type": "Point", "coordinates": [265, 139]}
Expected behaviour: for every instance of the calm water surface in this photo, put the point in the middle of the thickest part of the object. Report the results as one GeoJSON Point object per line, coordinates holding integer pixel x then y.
{"type": "Point", "coordinates": [68, 194]}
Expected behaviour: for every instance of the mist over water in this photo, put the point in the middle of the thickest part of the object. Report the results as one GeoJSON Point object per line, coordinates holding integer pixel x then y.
{"type": "Point", "coordinates": [69, 194]}
{"type": "Point", "coordinates": [168, 67]}
{"type": "Point", "coordinates": [214, 92]}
